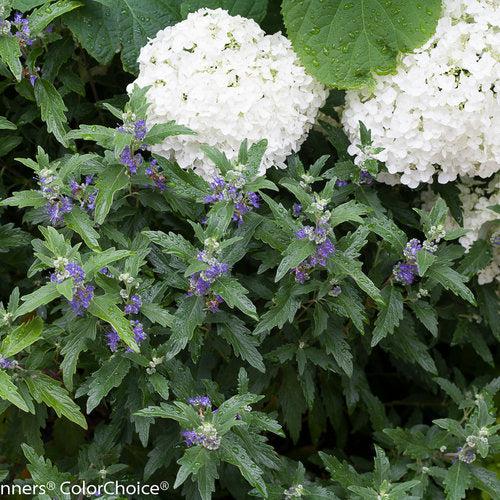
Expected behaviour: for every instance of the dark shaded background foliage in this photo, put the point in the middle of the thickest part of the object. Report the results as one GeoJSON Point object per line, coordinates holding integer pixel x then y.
{"type": "Point", "coordinates": [349, 413]}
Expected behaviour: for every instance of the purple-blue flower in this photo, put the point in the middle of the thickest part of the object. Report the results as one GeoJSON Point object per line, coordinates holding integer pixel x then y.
{"type": "Point", "coordinates": [112, 339]}
{"type": "Point", "coordinates": [301, 274]}
{"type": "Point", "coordinates": [302, 233]}
{"type": "Point", "coordinates": [139, 333]}
{"type": "Point", "coordinates": [212, 304]}
{"type": "Point", "coordinates": [82, 296]}
{"type": "Point", "coordinates": [405, 273]}
{"type": "Point", "coordinates": [6, 363]}
{"type": "Point", "coordinates": [243, 202]}
{"type": "Point", "coordinates": [105, 271]}
{"type": "Point", "coordinates": [57, 208]}
{"type": "Point", "coordinates": [365, 177]}
{"type": "Point", "coordinates": [134, 305]}
{"type": "Point", "coordinates": [201, 401]}
{"type": "Point", "coordinates": [412, 248]}
{"type": "Point", "coordinates": [23, 29]}
{"type": "Point", "coordinates": [192, 438]}
{"type": "Point", "coordinates": [130, 160]}
{"type": "Point", "coordinates": [140, 130]}
{"type": "Point", "coordinates": [76, 272]}
{"type": "Point", "coordinates": [153, 172]}
{"type": "Point", "coordinates": [319, 258]}
{"type": "Point", "coordinates": [296, 209]}
{"type": "Point", "coordinates": [341, 183]}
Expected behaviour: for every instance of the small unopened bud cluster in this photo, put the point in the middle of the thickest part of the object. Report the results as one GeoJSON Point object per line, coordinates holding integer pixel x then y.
{"type": "Point", "coordinates": [295, 491]}
{"type": "Point", "coordinates": [153, 364]}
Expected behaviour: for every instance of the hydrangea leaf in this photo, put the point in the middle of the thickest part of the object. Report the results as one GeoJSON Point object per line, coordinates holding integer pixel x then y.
{"type": "Point", "coordinates": [254, 9]}
{"type": "Point", "coordinates": [44, 15]}
{"type": "Point", "coordinates": [104, 27]}
{"type": "Point", "coordinates": [344, 42]}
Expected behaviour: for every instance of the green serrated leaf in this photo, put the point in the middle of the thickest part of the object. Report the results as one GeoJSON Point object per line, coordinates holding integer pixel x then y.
{"type": "Point", "coordinates": [296, 252]}
{"type": "Point", "coordinates": [234, 294]}
{"type": "Point", "coordinates": [457, 481]}
{"type": "Point", "coordinates": [9, 391]}
{"type": "Point", "coordinates": [52, 109]}
{"type": "Point", "coordinates": [46, 390]}
{"type": "Point", "coordinates": [21, 337]}
{"type": "Point", "coordinates": [40, 18]}
{"type": "Point", "coordinates": [109, 182]}
{"type": "Point", "coordinates": [45, 294]}
{"type": "Point", "coordinates": [80, 222]}
{"type": "Point", "coordinates": [110, 375]}
{"type": "Point", "coordinates": [390, 315]}
{"type": "Point", "coordinates": [10, 52]}
{"type": "Point", "coordinates": [103, 307]}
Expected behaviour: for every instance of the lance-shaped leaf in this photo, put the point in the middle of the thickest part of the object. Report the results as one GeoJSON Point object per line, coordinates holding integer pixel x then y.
{"type": "Point", "coordinates": [47, 390]}
{"type": "Point", "coordinates": [9, 391]}
{"type": "Point", "coordinates": [21, 337]}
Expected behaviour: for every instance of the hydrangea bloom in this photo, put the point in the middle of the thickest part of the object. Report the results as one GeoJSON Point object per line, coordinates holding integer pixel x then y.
{"type": "Point", "coordinates": [441, 111]}
{"type": "Point", "coordinates": [224, 78]}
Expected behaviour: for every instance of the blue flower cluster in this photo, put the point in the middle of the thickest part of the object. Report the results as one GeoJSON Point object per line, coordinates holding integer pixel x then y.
{"type": "Point", "coordinates": [133, 304]}
{"type": "Point", "coordinates": [19, 27]}
{"type": "Point", "coordinates": [131, 156]}
{"type": "Point", "coordinates": [206, 434]}
{"type": "Point", "coordinates": [200, 282]}
{"type": "Point", "coordinates": [364, 178]}
{"type": "Point", "coordinates": [244, 202]}
{"type": "Point", "coordinates": [324, 249]}
{"type": "Point", "coordinates": [7, 364]}
{"type": "Point", "coordinates": [154, 173]}
{"type": "Point", "coordinates": [200, 401]}
{"type": "Point", "coordinates": [83, 194]}
{"type": "Point", "coordinates": [58, 204]}
{"type": "Point", "coordinates": [405, 272]}
{"type": "Point", "coordinates": [82, 293]}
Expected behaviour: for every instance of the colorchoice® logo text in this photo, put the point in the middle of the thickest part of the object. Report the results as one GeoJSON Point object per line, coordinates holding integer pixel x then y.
{"type": "Point", "coordinates": [85, 489]}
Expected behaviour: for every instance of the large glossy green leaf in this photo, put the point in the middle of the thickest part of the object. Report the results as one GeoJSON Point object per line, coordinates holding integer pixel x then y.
{"type": "Point", "coordinates": [343, 42]}
{"type": "Point", "coordinates": [104, 27]}
{"type": "Point", "coordinates": [255, 9]}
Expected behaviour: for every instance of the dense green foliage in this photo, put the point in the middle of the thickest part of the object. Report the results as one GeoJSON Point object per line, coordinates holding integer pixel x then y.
{"type": "Point", "coordinates": [349, 385]}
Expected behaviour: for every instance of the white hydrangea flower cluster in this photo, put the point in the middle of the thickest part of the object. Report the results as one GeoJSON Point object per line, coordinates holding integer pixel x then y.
{"type": "Point", "coordinates": [441, 111]}
{"type": "Point", "coordinates": [224, 78]}
{"type": "Point", "coordinates": [480, 221]}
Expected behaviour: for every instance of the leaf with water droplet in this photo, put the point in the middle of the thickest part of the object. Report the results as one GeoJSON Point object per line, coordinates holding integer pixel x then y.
{"type": "Point", "coordinates": [365, 35]}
